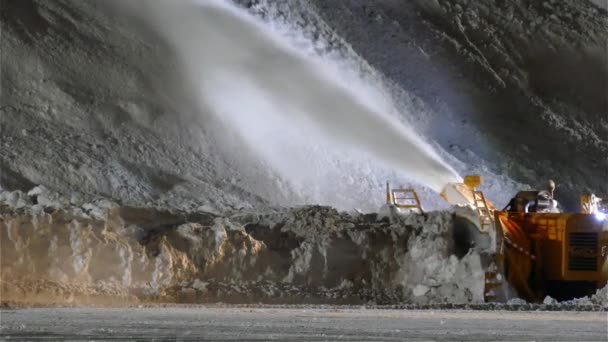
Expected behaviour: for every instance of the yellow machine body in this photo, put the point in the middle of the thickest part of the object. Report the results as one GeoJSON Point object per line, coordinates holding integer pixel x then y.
{"type": "Point", "coordinates": [556, 254]}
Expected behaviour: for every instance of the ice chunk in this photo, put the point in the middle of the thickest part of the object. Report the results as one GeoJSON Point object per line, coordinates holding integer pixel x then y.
{"type": "Point", "coordinates": [420, 290]}
{"type": "Point", "coordinates": [549, 300]}
{"type": "Point", "coordinates": [516, 301]}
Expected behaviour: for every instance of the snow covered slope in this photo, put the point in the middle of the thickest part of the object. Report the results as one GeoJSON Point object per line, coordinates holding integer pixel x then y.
{"type": "Point", "coordinates": [95, 104]}
{"type": "Point", "coordinates": [93, 100]}
{"type": "Point", "coordinates": [519, 87]}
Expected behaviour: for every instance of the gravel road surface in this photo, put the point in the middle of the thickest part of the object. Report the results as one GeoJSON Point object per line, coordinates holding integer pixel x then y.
{"type": "Point", "coordinates": [289, 324]}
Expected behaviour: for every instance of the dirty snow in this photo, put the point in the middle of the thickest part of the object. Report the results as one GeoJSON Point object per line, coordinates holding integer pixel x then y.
{"type": "Point", "coordinates": [65, 253]}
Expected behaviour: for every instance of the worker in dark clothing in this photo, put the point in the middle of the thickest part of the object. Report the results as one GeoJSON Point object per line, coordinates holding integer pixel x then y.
{"type": "Point", "coordinates": [534, 201]}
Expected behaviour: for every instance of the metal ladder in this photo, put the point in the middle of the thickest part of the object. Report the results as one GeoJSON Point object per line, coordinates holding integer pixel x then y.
{"type": "Point", "coordinates": [407, 199]}
{"type": "Point", "coordinates": [485, 217]}
{"type": "Point", "coordinates": [493, 278]}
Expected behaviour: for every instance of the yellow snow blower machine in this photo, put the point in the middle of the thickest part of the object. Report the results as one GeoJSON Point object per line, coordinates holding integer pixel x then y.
{"type": "Point", "coordinates": [539, 250]}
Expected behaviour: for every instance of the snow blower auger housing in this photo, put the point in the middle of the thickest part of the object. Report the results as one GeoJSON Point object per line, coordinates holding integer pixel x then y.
{"type": "Point", "coordinates": [539, 250]}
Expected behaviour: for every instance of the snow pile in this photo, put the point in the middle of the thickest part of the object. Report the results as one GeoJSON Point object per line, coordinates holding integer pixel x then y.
{"type": "Point", "coordinates": [601, 297]}
{"type": "Point", "coordinates": [306, 255]}
{"type": "Point", "coordinates": [15, 199]}
{"type": "Point", "coordinates": [437, 272]}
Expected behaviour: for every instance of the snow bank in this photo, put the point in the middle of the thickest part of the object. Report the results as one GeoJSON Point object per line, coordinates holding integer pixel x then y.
{"type": "Point", "coordinates": [95, 253]}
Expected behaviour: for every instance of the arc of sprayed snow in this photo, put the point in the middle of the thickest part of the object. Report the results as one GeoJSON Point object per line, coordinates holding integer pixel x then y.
{"type": "Point", "coordinates": [215, 38]}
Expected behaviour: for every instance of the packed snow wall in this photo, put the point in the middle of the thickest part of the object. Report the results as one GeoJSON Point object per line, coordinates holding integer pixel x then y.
{"type": "Point", "coordinates": [54, 252]}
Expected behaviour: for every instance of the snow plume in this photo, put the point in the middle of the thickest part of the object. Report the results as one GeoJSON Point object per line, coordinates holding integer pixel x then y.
{"type": "Point", "coordinates": [294, 110]}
